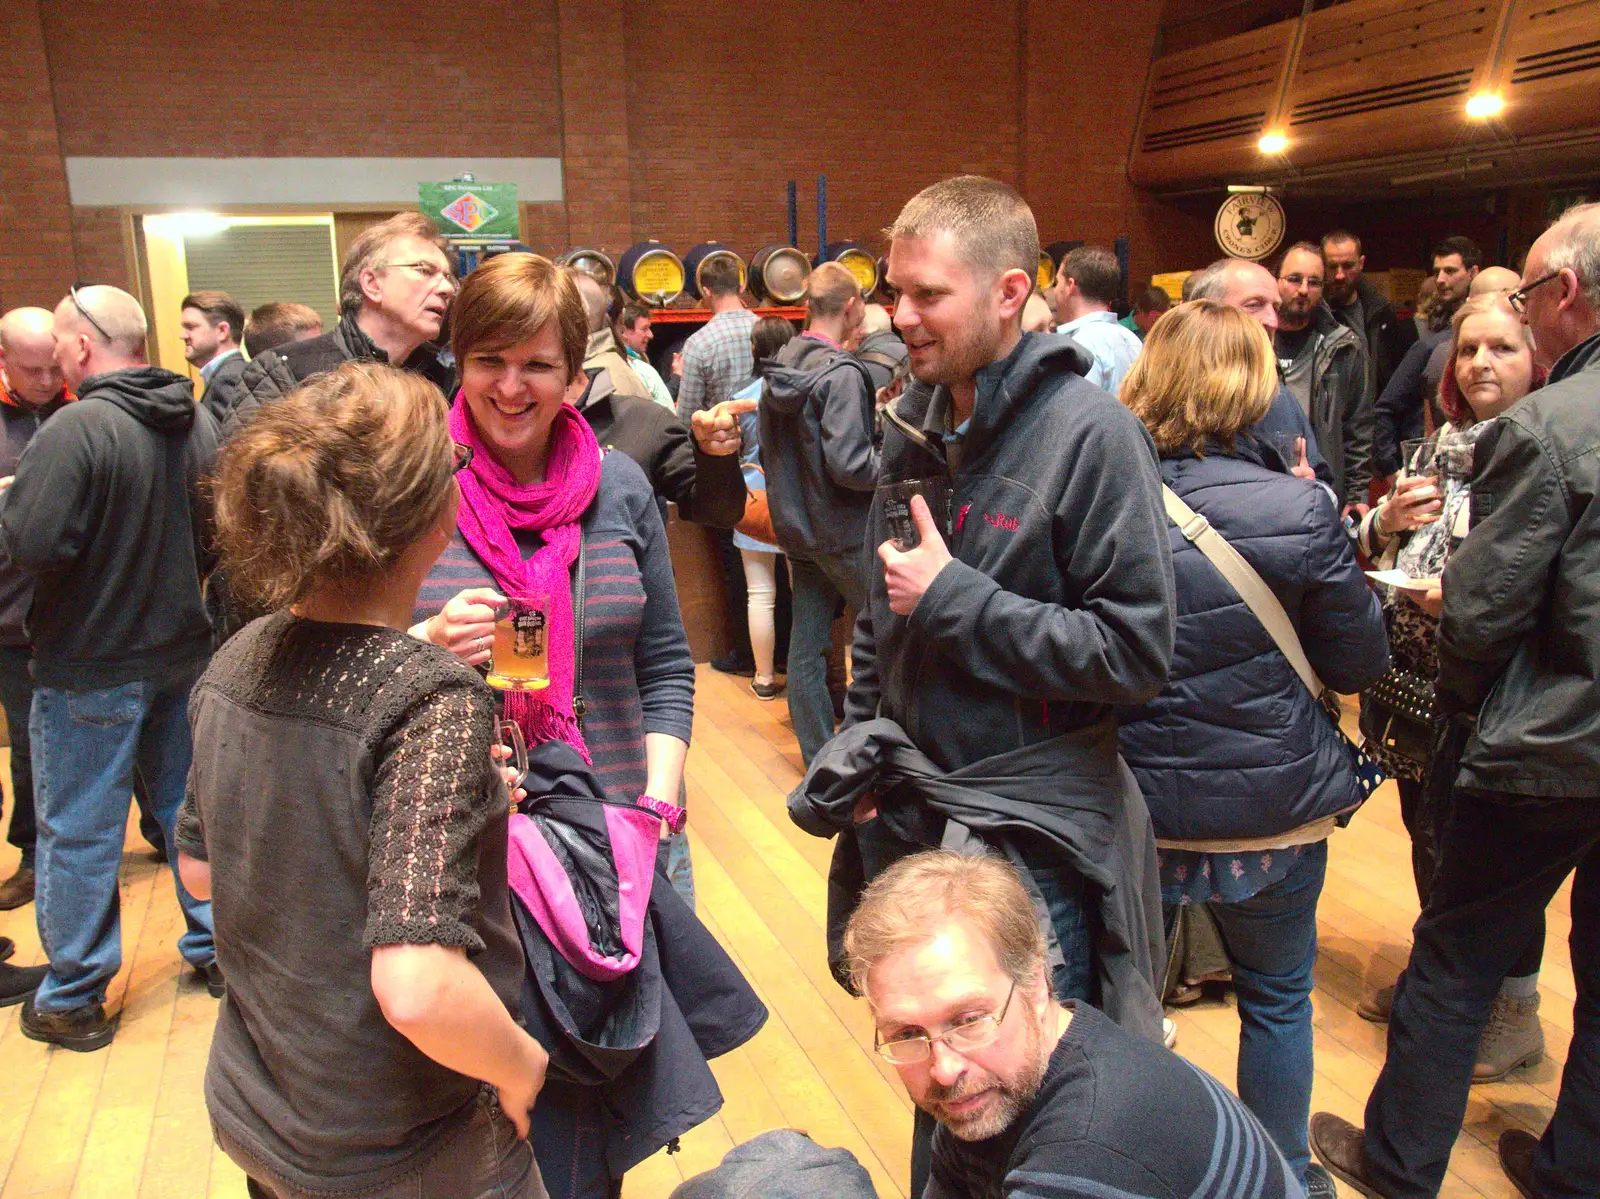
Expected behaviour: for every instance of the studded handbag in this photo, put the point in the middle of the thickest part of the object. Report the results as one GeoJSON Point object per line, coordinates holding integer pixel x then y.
{"type": "Point", "coordinates": [1397, 713]}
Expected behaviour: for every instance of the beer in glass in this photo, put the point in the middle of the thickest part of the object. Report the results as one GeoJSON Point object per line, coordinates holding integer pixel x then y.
{"type": "Point", "coordinates": [520, 659]}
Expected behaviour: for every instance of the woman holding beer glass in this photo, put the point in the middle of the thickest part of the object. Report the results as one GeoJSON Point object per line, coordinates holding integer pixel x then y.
{"type": "Point", "coordinates": [1490, 367]}
{"type": "Point", "coordinates": [344, 818]}
{"type": "Point", "coordinates": [537, 498]}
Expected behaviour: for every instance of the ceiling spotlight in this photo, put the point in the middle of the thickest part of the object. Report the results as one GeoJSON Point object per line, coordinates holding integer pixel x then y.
{"type": "Point", "coordinates": [1272, 143]}
{"type": "Point", "coordinates": [1485, 105]}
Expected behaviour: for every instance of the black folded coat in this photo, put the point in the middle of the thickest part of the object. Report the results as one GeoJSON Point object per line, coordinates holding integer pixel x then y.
{"type": "Point", "coordinates": [628, 1070]}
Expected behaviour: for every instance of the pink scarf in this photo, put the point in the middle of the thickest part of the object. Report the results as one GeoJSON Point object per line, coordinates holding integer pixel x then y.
{"type": "Point", "coordinates": [492, 505]}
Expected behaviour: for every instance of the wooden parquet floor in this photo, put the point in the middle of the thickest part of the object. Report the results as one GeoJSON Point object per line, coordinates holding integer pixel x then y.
{"type": "Point", "coordinates": [130, 1120]}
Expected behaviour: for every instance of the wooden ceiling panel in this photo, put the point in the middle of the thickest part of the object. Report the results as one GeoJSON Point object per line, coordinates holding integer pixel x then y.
{"type": "Point", "coordinates": [1550, 68]}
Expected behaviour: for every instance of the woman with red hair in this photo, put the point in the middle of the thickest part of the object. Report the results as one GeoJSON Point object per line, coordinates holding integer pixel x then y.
{"type": "Point", "coordinates": [1490, 367]}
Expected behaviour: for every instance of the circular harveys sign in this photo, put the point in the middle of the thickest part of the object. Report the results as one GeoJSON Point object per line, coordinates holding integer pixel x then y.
{"type": "Point", "coordinates": [1250, 226]}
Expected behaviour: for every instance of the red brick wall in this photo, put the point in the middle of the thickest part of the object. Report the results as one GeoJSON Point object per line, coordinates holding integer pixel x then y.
{"type": "Point", "coordinates": [97, 239]}
{"type": "Point", "coordinates": [679, 119]}
{"type": "Point", "coordinates": [36, 255]}
{"type": "Point", "coordinates": [1086, 72]}
{"type": "Point", "coordinates": [728, 100]}
{"type": "Point", "coordinates": [255, 77]}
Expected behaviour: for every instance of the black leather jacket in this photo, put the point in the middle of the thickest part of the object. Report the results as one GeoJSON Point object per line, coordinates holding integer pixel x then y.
{"type": "Point", "coordinates": [1518, 643]}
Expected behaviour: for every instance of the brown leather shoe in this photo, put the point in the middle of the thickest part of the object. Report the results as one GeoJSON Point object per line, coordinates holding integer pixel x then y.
{"type": "Point", "coordinates": [1516, 1159]}
{"type": "Point", "coordinates": [16, 890]}
{"type": "Point", "coordinates": [1338, 1145]}
{"type": "Point", "coordinates": [1376, 1005]}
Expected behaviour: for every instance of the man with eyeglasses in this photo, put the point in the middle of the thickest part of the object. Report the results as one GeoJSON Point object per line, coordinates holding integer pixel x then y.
{"type": "Point", "coordinates": [395, 288]}
{"type": "Point", "coordinates": [108, 515]}
{"type": "Point", "coordinates": [1032, 1096]}
{"type": "Point", "coordinates": [1519, 669]}
{"type": "Point", "coordinates": [1325, 368]}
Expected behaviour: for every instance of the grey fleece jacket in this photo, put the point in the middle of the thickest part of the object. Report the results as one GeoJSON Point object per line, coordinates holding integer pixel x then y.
{"type": "Point", "coordinates": [1341, 405]}
{"type": "Point", "coordinates": [1059, 602]}
{"type": "Point", "coordinates": [817, 448]}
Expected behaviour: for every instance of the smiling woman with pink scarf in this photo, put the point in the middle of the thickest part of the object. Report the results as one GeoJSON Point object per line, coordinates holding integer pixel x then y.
{"type": "Point", "coordinates": [538, 486]}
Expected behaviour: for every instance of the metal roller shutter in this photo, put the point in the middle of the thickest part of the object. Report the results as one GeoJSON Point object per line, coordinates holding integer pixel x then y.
{"type": "Point", "coordinates": [260, 264]}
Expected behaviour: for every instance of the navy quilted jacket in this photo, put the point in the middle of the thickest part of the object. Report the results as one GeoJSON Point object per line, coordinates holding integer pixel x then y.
{"type": "Point", "coordinates": [1234, 745]}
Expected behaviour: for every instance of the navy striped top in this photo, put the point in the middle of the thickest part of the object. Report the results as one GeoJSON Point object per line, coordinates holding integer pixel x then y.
{"type": "Point", "coordinates": [638, 675]}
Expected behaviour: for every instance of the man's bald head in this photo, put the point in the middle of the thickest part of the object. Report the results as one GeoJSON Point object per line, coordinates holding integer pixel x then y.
{"type": "Point", "coordinates": [595, 298]}
{"type": "Point", "coordinates": [1247, 286]}
{"type": "Point", "coordinates": [22, 328]}
{"type": "Point", "coordinates": [99, 329]}
{"type": "Point", "coordinates": [1494, 280]}
{"type": "Point", "coordinates": [1561, 283]}
{"type": "Point", "coordinates": [28, 355]}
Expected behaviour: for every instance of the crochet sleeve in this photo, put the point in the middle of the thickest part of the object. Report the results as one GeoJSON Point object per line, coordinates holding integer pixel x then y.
{"type": "Point", "coordinates": [433, 795]}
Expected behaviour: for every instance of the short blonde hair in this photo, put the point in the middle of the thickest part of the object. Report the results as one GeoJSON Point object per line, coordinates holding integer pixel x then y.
{"type": "Point", "coordinates": [991, 224]}
{"type": "Point", "coordinates": [509, 299]}
{"type": "Point", "coordinates": [1206, 371]}
{"type": "Point", "coordinates": [904, 906]}
{"type": "Point", "coordinates": [830, 289]}
{"type": "Point", "coordinates": [332, 483]}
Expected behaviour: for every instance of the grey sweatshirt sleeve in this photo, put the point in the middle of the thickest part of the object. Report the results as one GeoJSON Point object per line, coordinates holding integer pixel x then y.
{"type": "Point", "coordinates": [1359, 422]}
{"type": "Point", "coordinates": [845, 419]}
{"type": "Point", "coordinates": [1113, 642]}
{"type": "Point", "coordinates": [45, 514]}
{"type": "Point", "coordinates": [661, 661]}
{"type": "Point", "coordinates": [861, 702]}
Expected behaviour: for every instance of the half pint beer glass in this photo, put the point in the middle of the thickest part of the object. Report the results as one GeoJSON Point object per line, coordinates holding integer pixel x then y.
{"type": "Point", "coordinates": [520, 659]}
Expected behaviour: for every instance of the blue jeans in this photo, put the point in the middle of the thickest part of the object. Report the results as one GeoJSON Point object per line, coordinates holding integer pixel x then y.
{"type": "Point", "coordinates": [86, 745]}
{"type": "Point", "coordinates": [16, 696]}
{"type": "Point", "coordinates": [817, 587]}
{"type": "Point", "coordinates": [1271, 940]}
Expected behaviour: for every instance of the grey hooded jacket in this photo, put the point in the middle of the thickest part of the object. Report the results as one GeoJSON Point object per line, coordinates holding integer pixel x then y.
{"type": "Point", "coordinates": [817, 448]}
{"type": "Point", "coordinates": [1059, 603]}
{"type": "Point", "coordinates": [1341, 405]}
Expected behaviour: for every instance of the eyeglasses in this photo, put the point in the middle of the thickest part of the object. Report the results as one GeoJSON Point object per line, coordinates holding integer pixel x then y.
{"type": "Point", "coordinates": [429, 271]}
{"type": "Point", "coordinates": [84, 313]}
{"type": "Point", "coordinates": [1519, 298]}
{"type": "Point", "coordinates": [966, 1037]}
{"type": "Point", "coordinates": [463, 457]}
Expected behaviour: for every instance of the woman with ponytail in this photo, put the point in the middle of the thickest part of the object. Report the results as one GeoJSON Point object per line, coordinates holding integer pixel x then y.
{"type": "Point", "coordinates": [345, 819]}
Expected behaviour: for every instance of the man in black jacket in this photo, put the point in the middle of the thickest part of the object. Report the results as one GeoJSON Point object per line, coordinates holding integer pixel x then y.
{"type": "Point", "coordinates": [1049, 599]}
{"type": "Point", "coordinates": [210, 325]}
{"type": "Point", "coordinates": [32, 390]}
{"type": "Point", "coordinates": [699, 472]}
{"type": "Point", "coordinates": [107, 513]}
{"type": "Point", "coordinates": [1357, 305]}
{"type": "Point", "coordinates": [395, 287]}
{"type": "Point", "coordinates": [1519, 650]}
{"type": "Point", "coordinates": [821, 465]}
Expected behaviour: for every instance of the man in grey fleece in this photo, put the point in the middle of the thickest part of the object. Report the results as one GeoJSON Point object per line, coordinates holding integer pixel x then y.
{"type": "Point", "coordinates": [821, 466]}
{"type": "Point", "coordinates": [1049, 598]}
